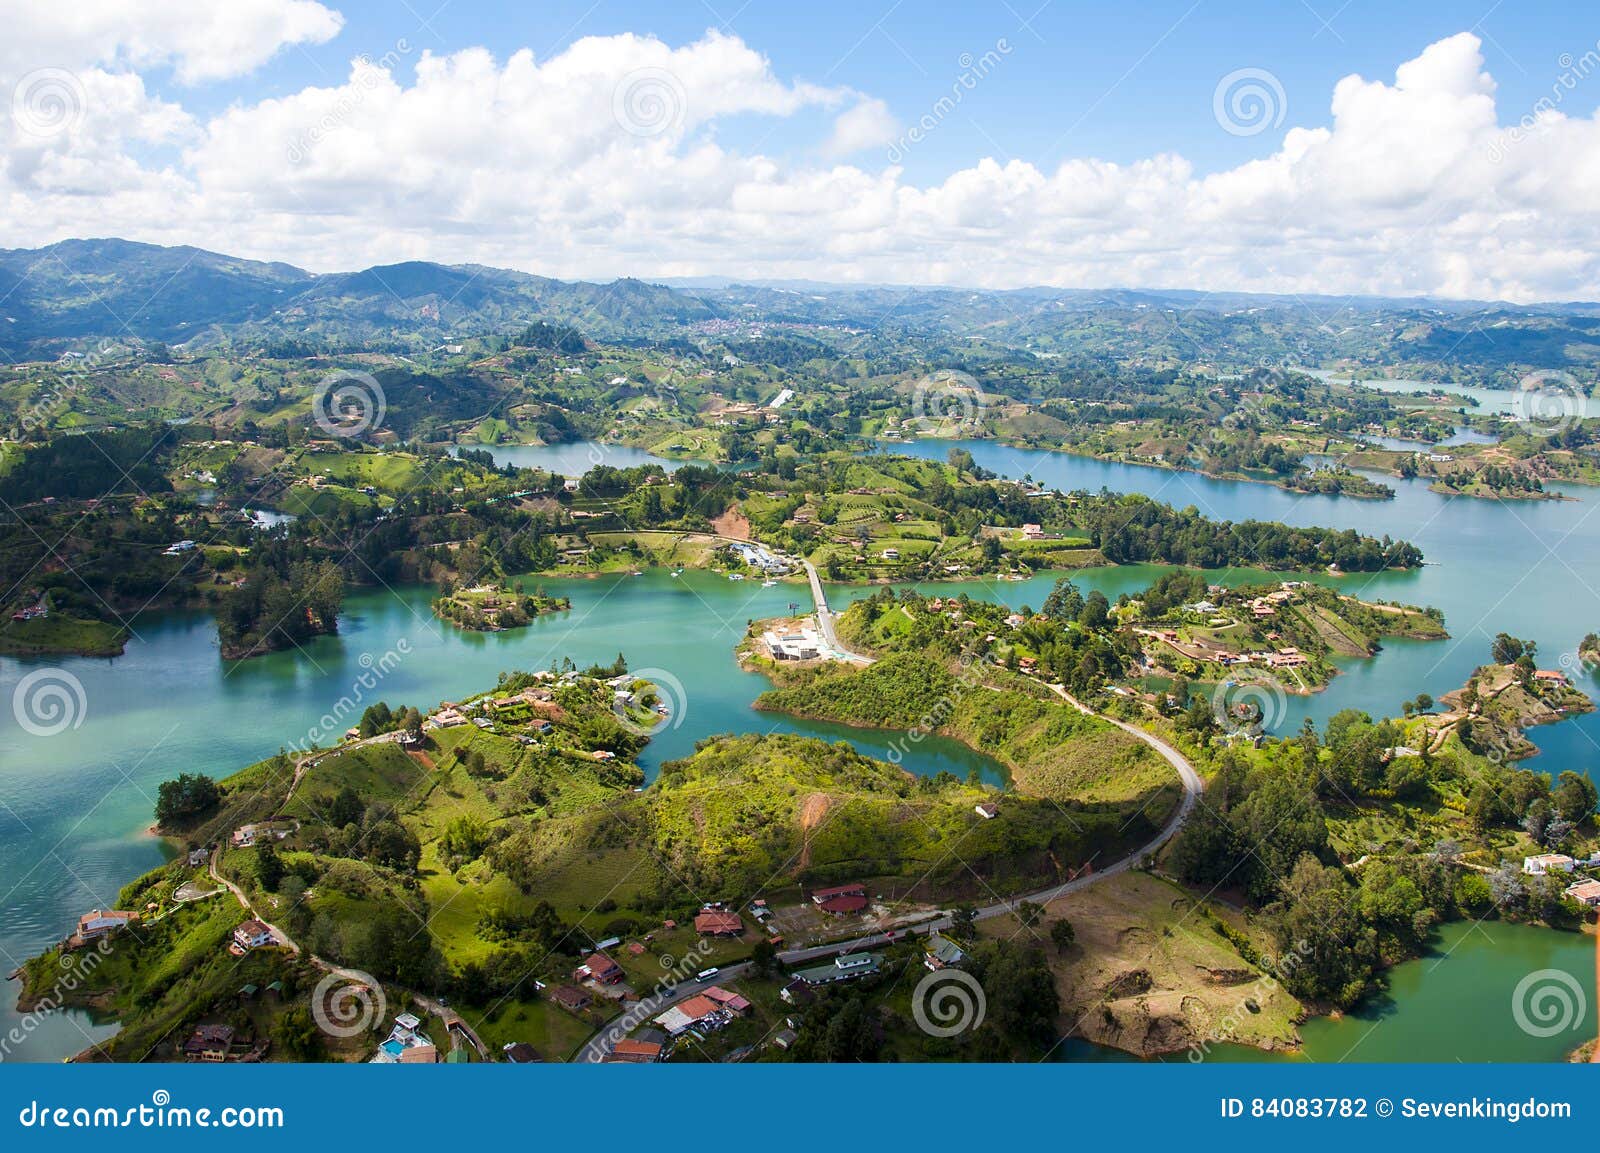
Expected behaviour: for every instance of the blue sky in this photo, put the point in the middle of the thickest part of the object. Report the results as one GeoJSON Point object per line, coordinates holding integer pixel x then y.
{"type": "Point", "coordinates": [1418, 149]}
{"type": "Point", "coordinates": [1118, 81]}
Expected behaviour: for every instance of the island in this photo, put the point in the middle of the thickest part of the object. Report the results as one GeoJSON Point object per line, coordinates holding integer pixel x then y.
{"type": "Point", "coordinates": [495, 607]}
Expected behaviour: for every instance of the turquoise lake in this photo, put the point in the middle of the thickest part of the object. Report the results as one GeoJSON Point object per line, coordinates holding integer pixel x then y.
{"type": "Point", "coordinates": [74, 807]}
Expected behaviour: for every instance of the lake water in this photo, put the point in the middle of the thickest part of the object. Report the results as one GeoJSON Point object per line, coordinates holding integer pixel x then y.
{"type": "Point", "coordinates": [1490, 401]}
{"type": "Point", "coordinates": [76, 804]}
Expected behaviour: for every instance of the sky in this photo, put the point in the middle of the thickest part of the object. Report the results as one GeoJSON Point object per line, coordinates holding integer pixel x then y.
{"type": "Point", "coordinates": [1442, 149]}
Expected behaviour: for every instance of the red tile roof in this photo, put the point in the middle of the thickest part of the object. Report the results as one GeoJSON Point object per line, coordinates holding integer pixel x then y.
{"type": "Point", "coordinates": [857, 890]}
{"type": "Point", "coordinates": [844, 904]}
{"type": "Point", "coordinates": [716, 922]}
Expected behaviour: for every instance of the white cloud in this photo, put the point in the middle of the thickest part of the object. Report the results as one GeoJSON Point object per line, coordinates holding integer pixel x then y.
{"type": "Point", "coordinates": [609, 159]}
{"type": "Point", "coordinates": [201, 39]}
{"type": "Point", "coordinates": [868, 124]}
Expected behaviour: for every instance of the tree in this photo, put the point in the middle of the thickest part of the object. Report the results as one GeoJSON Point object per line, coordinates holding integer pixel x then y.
{"type": "Point", "coordinates": [1507, 649]}
{"type": "Point", "coordinates": [269, 867]}
{"type": "Point", "coordinates": [1574, 797]}
{"type": "Point", "coordinates": [764, 956]}
{"type": "Point", "coordinates": [1062, 934]}
{"type": "Point", "coordinates": [188, 795]}
{"type": "Point", "coordinates": [1029, 913]}
{"type": "Point", "coordinates": [345, 808]}
{"type": "Point", "coordinates": [1065, 602]}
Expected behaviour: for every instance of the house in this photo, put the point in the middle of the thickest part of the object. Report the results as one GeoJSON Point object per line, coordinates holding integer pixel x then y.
{"type": "Point", "coordinates": [940, 952]}
{"type": "Point", "coordinates": [1546, 863]}
{"type": "Point", "coordinates": [198, 857]}
{"type": "Point", "coordinates": [714, 923]}
{"type": "Point", "coordinates": [891, 554]}
{"type": "Point", "coordinates": [728, 1000]}
{"type": "Point", "coordinates": [521, 1053]}
{"type": "Point", "coordinates": [841, 900]}
{"type": "Point", "coordinates": [1032, 532]}
{"type": "Point", "coordinates": [1551, 677]}
{"type": "Point", "coordinates": [603, 755]}
{"type": "Point", "coordinates": [849, 967]}
{"type": "Point", "coordinates": [103, 923]}
{"type": "Point", "coordinates": [785, 1037]}
{"type": "Point", "coordinates": [698, 1012]}
{"type": "Point", "coordinates": [419, 1055]}
{"type": "Point", "coordinates": [209, 1043]}
{"type": "Point", "coordinates": [252, 934]}
{"type": "Point", "coordinates": [631, 1052]}
{"type": "Point", "coordinates": [988, 810]}
{"type": "Point", "coordinates": [602, 968]}
{"type": "Point", "coordinates": [803, 644]}
{"type": "Point", "coordinates": [1586, 893]}
{"type": "Point", "coordinates": [570, 998]}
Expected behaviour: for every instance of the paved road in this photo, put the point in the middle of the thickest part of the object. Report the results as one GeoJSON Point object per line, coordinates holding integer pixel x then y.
{"type": "Point", "coordinates": [1193, 786]}
{"type": "Point", "coordinates": [825, 620]}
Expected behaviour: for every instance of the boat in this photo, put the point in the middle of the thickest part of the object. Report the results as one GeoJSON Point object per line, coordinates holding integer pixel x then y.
{"type": "Point", "coordinates": [736, 576]}
{"type": "Point", "coordinates": [677, 572]}
{"type": "Point", "coordinates": [768, 583]}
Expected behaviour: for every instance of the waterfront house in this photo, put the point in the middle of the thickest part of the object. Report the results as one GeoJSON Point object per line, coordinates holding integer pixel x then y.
{"type": "Point", "coordinates": [103, 923]}
{"type": "Point", "coordinates": [1586, 893]}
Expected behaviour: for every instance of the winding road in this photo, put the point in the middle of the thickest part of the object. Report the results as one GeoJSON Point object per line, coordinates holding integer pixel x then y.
{"type": "Point", "coordinates": [599, 1046]}
{"type": "Point", "coordinates": [1193, 786]}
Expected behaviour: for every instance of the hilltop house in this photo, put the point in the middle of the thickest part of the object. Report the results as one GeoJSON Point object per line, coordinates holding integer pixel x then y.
{"type": "Point", "coordinates": [252, 934]}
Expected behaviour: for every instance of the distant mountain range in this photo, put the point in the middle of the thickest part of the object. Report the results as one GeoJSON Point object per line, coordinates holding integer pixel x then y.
{"type": "Point", "coordinates": [77, 292]}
